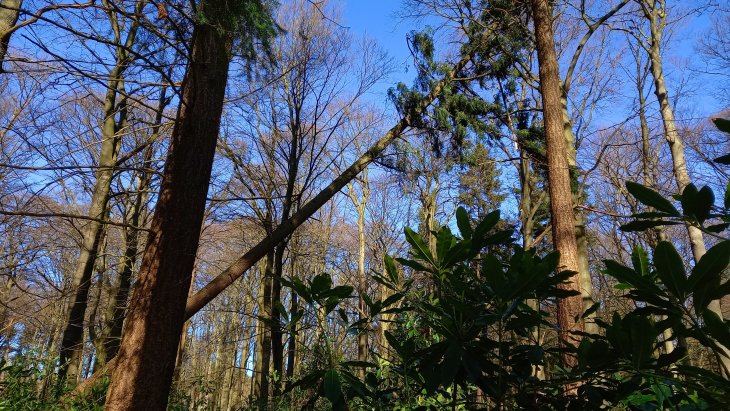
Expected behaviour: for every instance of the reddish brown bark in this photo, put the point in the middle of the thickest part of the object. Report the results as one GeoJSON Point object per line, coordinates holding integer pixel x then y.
{"type": "Point", "coordinates": [145, 363]}
{"type": "Point", "coordinates": [561, 196]}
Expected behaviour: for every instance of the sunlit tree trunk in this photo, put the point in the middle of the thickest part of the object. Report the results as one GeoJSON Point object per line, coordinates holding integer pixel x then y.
{"type": "Point", "coordinates": [655, 12]}
{"type": "Point", "coordinates": [72, 340]}
{"type": "Point", "coordinates": [9, 13]}
{"type": "Point", "coordinates": [360, 203]}
{"type": "Point", "coordinates": [561, 196]}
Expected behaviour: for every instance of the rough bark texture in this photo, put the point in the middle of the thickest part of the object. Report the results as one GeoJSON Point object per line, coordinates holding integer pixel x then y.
{"type": "Point", "coordinates": [561, 196]}
{"type": "Point", "coordinates": [581, 237]}
{"type": "Point", "coordinates": [146, 359]}
{"type": "Point", "coordinates": [9, 13]}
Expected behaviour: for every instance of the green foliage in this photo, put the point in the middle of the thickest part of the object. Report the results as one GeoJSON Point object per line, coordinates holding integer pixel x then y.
{"type": "Point", "coordinates": [28, 386]}
{"type": "Point", "coordinates": [17, 391]}
{"type": "Point", "coordinates": [251, 20]}
{"type": "Point", "coordinates": [474, 328]}
{"type": "Point", "coordinates": [698, 206]}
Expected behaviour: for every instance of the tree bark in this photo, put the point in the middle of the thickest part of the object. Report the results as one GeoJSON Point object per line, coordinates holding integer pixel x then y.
{"type": "Point", "coordinates": [265, 349]}
{"type": "Point", "coordinates": [9, 13]}
{"type": "Point", "coordinates": [360, 205]}
{"type": "Point", "coordinates": [656, 14]}
{"type": "Point", "coordinates": [561, 196]}
{"type": "Point", "coordinates": [72, 340]}
{"type": "Point", "coordinates": [143, 374]}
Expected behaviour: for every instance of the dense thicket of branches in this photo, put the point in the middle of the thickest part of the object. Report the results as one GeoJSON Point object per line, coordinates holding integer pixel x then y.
{"type": "Point", "coordinates": [199, 203]}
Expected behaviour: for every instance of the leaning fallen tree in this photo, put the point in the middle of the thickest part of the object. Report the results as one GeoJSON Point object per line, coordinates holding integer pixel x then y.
{"type": "Point", "coordinates": [238, 268]}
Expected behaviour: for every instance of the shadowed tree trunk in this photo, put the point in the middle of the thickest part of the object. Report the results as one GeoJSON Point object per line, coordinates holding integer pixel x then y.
{"type": "Point", "coordinates": [156, 313]}
{"type": "Point", "coordinates": [72, 340]}
{"type": "Point", "coordinates": [265, 348]}
{"type": "Point", "coordinates": [561, 196]}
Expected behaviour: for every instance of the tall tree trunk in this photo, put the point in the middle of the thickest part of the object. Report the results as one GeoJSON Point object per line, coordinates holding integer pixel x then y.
{"type": "Point", "coordinates": [656, 234]}
{"type": "Point", "coordinates": [277, 334]}
{"type": "Point", "coordinates": [9, 13]}
{"type": "Point", "coordinates": [156, 313]}
{"type": "Point", "coordinates": [584, 274]}
{"type": "Point", "coordinates": [292, 345]}
{"type": "Point", "coordinates": [118, 304]}
{"type": "Point", "coordinates": [360, 206]}
{"type": "Point", "coordinates": [656, 14]}
{"type": "Point", "coordinates": [135, 217]}
{"type": "Point", "coordinates": [72, 340]}
{"type": "Point", "coordinates": [294, 311]}
{"type": "Point", "coordinates": [277, 343]}
{"type": "Point", "coordinates": [561, 196]}
{"type": "Point", "coordinates": [286, 228]}
{"type": "Point", "coordinates": [265, 348]}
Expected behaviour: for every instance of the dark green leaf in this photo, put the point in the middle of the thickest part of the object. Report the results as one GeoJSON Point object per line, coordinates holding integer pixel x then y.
{"type": "Point", "coordinates": [320, 283]}
{"type": "Point", "coordinates": [332, 386]}
{"type": "Point", "coordinates": [413, 264]}
{"type": "Point", "coordinates": [640, 260]}
{"type": "Point", "coordinates": [390, 269]}
{"type": "Point", "coordinates": [420, 249]}
{"type": "Point", "coordinates": [717, 328]}
{"type": "Point", "coordinates": [462, 221]}
{"type": "Point", "coordinates": [722, 124]}
{"type": "Point", "coordinates": [343, 315]}
{"type": "Point", "coordinates": [444, 241]}
{"type": "Point", "coordinates": [689, 199]}
{"type": "Point", "coordinates": [703, 204]}
{"type": "Point", "coordinates": [670, 269]}
{"type": "Point", "coordinates": [717, 228]}
{"type": "Point", "coordinates": [592, 309]}
{"type": "Point", "coordinates": [621, 272]}
{"type": "Point", "coordinates": [642, 340]}
{"type": "Point", "coordinates": [723, 159]}
{"type": "Point", "coordinates": [489, 221]}
{"type": "Point", "coordinates": [651, 198]}
{"type": "Point", "coordinates": [450, 365]}
{"type": "Point", "coordinates": [711, 265]}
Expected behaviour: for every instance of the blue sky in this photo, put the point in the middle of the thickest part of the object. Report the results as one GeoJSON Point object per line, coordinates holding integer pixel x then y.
{"type": "Point", "coordinates": [378, 19]}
